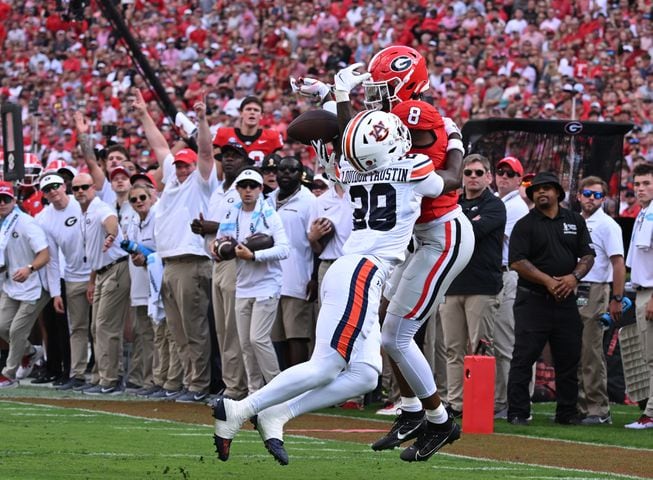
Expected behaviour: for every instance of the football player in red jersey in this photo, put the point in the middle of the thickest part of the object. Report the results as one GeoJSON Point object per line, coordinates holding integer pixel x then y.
{"type": "Point", "coordinates": [445, 240]}
{"type": "Point", "coordinates": [258, 142]}
{"type": "Point", "coordinates": [29, 195]}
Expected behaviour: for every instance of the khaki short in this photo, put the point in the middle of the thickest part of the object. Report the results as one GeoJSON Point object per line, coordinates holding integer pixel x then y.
{"type": "Point", "coordinates": [294, 319]}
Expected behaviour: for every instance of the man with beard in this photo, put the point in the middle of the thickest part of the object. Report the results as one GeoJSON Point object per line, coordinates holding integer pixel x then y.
{"type": "Point", "coordinates": [545, 246]}
{"type": "Point", "coordinates": [233, 158]}
{"type": "Point", "coordinates": [297, 206]}
{"type": "Point", "coordinates": [594, 299]}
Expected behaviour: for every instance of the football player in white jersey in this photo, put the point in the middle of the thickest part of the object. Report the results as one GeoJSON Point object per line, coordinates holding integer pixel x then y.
{"type": "Point", "coordinates": [385, 186]}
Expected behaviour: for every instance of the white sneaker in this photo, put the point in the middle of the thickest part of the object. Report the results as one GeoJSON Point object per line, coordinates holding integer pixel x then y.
{"type": "Point", "coordinates": [29, 362]}
{"type": "Point", "coordinates": [390, 410]}
{"type": "Point", "coordinates": [642, 423]}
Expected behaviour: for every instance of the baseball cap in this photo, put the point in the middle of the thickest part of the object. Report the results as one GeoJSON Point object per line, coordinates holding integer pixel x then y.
{"type": "Point", "coordinates": [6, 188]}
{"type": "Point", "coordinates": [51, 179]}
{"type": "Point", "coordinates": [271, 162]}
{"type": "Point", "coordinates": [148, 177]}
{"type": "Point", "coordinates": [185, 155]}
{"type": "Point", "coordinates": [321, 179]}
{"type": "Point", "coordinates": [117, 171]}
{"type": "Point", "coordinates": [235, 147]}
{"type": "Point", "coordinates": [249, 174]}
{"type": "Point", "coordinates": [595, 105]}
{"type": "Point", "coordinates": [514, 164]}
{"type": "Point", "coordinates": [549, 106]}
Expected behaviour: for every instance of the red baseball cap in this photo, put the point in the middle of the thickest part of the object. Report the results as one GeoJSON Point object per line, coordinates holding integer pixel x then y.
{"type": "Point", "coordinates": [6, 188]}
{"type": "Point", "coordinates": [117, 171]}
{"type": "Point", "coordinates": [185, 155]}
{"type": "Point", "coordinates": [514, 164]}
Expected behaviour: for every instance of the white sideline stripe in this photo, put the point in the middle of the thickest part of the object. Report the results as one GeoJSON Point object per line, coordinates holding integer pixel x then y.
{"type": "Point", "coordinates": [547, 467]}
{"type": "Point", "coordinates": [50, 415]}
{"type": "Point", "coordinates": [575, 442]}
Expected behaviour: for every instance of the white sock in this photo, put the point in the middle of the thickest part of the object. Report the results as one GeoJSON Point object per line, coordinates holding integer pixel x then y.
{"type": "Point", "coordinates": [411, 404]}
{"type": "Point", "coordinates": [439, 415]}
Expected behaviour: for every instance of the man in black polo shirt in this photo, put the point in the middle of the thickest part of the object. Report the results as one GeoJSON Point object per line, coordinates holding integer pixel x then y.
{"type": "Point", "coordinates": [550, 251]}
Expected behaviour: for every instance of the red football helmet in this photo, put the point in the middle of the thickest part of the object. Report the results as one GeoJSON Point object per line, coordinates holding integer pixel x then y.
{"type": "Point", "coordinates": [33, 168]}
{"type": "Point", "coordinates": [399, 73]}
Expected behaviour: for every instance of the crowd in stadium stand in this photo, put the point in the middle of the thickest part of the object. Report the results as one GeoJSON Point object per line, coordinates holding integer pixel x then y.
{"type": "Point", "coordinates": [522, 59]}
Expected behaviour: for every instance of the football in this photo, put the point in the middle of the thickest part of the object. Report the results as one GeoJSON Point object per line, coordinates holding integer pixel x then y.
{"type": "Point", "coordinates": [225, 248]}
{"type": "Point", "coordinates": [258, 241]}
{"type": "Point", "coordinates": [314, 125]}
{"type": "Point", "coordinates": [327, 237]}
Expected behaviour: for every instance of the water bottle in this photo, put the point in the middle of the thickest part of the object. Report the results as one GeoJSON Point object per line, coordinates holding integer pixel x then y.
{"type": "Point", "coordinates": [606, 319]}
{"type": "Point", "coordinates": [133, 247]}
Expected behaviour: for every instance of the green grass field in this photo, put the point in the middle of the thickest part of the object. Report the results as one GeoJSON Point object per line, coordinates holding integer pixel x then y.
{"type": "Point", "coordinates": [47, 442]}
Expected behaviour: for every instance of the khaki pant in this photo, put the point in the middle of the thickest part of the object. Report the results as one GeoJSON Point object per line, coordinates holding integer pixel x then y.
{"type": "Point", "coordinates": [504, 338]}
{"type": "Point", "coordinates": [140, 366]}
{"type": "Point", "coordinates": [186, 288]}
{"type": "Point", "coordinates": [16, 321]}
{"type": "Point", "coordinates": [592, 370]}
{"type": "Point", "coordinates": [224, 312]}
{"type": "Point", "coordinates": [167, 371]}
{"type": "Point", "coordinates": [254, 320]}
{"type": "Point", "coordinates": [110, 308]}
{"type": "Point", "coordinates": [466, 319]}
{"type": "Point", "coordinates": [78, 310]}
{"type": "Point", "coordinates": [646, 337]}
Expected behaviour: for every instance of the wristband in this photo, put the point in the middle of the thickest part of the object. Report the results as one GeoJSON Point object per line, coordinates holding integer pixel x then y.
{"type": "Point", "coordinates": [455, 144]}
{"type": "Point", "coordinates": [253, 256]}
{"type": "Point", "coordinates": [341, 96]}
{"type": "Point", "coordinates": [577, 276]}
{"type": "Point", "coordinates": [617, 298]}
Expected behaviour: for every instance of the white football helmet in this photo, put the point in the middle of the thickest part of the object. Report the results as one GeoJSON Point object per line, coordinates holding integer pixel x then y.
{"type": "Point", "coordinates": [33, 168]}
{"type": "Point", "coordinates": [374, 139]}
{"type": "Point", "coordinates": [2, 165]}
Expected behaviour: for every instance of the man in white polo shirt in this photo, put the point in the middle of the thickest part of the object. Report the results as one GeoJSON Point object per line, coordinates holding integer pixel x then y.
{"type": "Point", "coordinates": [23, 251]}
{"type": "Point", "coordinates": [61, 220]}
{"type": "Point", "coordinates": [108, 288]}
{"type": "Point", "coordinates": [507, 176]}
{"type": "Point", "coordinates": [594, 299]}
{"type": "Point", "coordinates": [189, 180]}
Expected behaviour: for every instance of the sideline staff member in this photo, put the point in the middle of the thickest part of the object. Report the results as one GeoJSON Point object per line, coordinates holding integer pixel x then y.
{"type": "Point", "coordinates": [544, 248]}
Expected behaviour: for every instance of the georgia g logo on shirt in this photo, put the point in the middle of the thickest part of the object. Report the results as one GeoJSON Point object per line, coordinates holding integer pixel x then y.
{"type": "Point", "coordinates": [70, 221]}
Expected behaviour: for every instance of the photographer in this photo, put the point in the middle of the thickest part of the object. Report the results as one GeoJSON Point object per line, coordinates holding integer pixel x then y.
{"type": "Point", "coordinates": [258, 276]}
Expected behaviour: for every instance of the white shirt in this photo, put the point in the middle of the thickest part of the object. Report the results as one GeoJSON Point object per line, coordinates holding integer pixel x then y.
{"type": "Point", "coordinates": [141, 232]}
{"type": "Point", "coordinates": [64, 235]}
{"type": "Point", "coordinates": [640, 260]}
{"type": "Point", "coordinates": [515, 25]}
{"type": "Point", "coordinates": [94, 235]}
{"type": "Point", "coordinates": [179, 205]}
{"type": "Point", "coordinates": [516, 208]}
{"type": "Point", "coordinates": [606, 242]}
{"type": "Point", "coordinates": [107, 195]}
{"type": "Point", "coordinates": [262, 278]}
{"type": "Point", "coordinates": [395, 193]}
{"type": "Point", "coordinates": [339, 210]}
{"type": "Point", "coordinates": [27, 239]}
{"type": "Point", "coordinates": [296, 214]}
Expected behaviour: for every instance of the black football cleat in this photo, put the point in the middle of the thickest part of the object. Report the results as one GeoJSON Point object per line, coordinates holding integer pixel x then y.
{"type": "Point", "coordinates": [431, 438]}
{"type": "Point", "coordinates": [406, 427]}
{"type": "Point", "coordinates": [222, 447]}
{"type": "Point", "coordinates": [277, 450]}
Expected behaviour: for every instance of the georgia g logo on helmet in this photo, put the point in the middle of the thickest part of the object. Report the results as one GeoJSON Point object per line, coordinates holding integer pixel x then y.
{"type": "Point", "coordinates": [401, 63]}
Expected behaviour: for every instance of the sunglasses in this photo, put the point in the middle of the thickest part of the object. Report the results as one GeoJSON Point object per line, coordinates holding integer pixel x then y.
{"type": "Point", "coordinates": [248, 184]}
{"type": "Point", "coordinates": [49, 188]}
{"type": "Point", "coordinates": [288, 169]}
{"type": "Point", "coordinates": [478, 173]}
{"type": "Point", "coordinates": [509, 173]}
{"type": "Point", "coordinates": [142, 197]}
{"type": "Point", "coordinates": [6, 199]}
{"type": "Point", "coordinates": [591, 193]}
{"type": "Point", "coordinates": [269, 170]}
{"type": "Point", "coordinates": [77, 188]}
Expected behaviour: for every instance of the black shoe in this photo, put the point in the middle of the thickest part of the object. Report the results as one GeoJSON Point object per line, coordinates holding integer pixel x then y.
{"type": "Point", "coordinates": [71, 384]}
{"type": "Point", "coordinates": [44, 378]}
{"type": "Point", "coordinates": [519, 421]}
{"type": "Point", "coordinates": [62, 380]}
{"type": "Point", "coordinates": [454, 413]}
{"type": "Point", "coordinates": [406, 427]}
{"type": "Point", "coordinates": [431, 438]}
{"type": "Point", "coordinates": [277, 450]}
{"type": "Point", "coordinates": [571, 420]}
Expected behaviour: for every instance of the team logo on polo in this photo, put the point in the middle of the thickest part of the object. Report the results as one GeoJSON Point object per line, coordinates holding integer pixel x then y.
{"type": "Point", "coordinates": [70, 221]}
{"type": "Point", "coordinates": [401, 63]}
{"type": "Point", "coordinates": [15, 234]}
{"type": "Point", "coordinates": [568, 229]}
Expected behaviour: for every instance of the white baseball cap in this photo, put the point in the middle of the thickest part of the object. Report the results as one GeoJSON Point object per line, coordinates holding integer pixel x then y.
{"type": "Point", "coordinates": [51, 179]}
{"type": "Point", "coordinates": [249, 174]}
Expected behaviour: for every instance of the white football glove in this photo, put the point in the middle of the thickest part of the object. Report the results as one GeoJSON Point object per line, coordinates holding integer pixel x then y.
{"type": "Point", "coordinates": [348, 78]}
{"type": "Point", "coordinates": [309, 87]}
{"type": "Point", "coordinates": [451, 127]}
{"type": "Point", "coordinates": [326, 161]}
